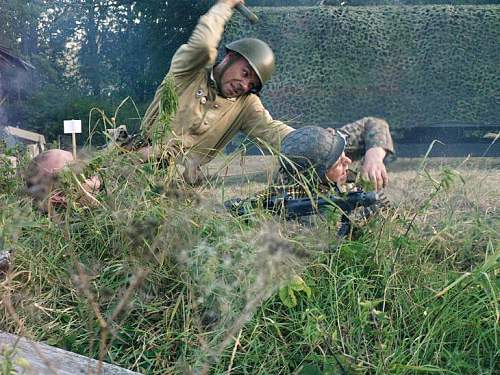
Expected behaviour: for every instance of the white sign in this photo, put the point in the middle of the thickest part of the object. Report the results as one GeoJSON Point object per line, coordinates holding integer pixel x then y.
{"type": "Point", "coordinates": [72, 126]}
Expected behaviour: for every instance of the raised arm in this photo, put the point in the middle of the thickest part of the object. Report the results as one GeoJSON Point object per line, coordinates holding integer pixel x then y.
{"type": "Point", "coordinates": [201, 48]}
{"type": "Point", "coordinates": [190, 58]}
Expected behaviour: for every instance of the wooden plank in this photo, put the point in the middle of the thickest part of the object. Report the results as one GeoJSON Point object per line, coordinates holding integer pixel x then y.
{"type": "Point", "coordinates": [8, 60]}
{"type": "Point", "coordinates": [25, 134]}
{"type": "Point", "coordinates": [44, 359]}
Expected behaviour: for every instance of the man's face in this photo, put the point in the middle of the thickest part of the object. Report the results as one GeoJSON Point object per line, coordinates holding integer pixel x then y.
{"type": "Point", "coordinates": [338, 172]}
{"type": "Point", "coordinates": [238, 79]}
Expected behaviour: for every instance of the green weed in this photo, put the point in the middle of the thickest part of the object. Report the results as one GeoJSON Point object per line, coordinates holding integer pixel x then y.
{"type": "Point", "coordinates": [158, 278]}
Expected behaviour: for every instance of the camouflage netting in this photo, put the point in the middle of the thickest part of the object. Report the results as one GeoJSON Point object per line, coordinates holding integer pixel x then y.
{"type": "Point", "coordinates": [412, 65]}
{"type": "Point", "coordinates": [364, 2]}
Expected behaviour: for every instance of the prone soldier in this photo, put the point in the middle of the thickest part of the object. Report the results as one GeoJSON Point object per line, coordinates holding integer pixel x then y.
{"type": "Point", "coordinates": [42, 181]}
{"type": "Point", "coordinates": [313, 169]}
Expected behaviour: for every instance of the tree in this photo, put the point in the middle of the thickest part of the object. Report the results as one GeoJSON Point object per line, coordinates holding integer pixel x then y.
{"type": "Point", "coordinates": [91, 53]}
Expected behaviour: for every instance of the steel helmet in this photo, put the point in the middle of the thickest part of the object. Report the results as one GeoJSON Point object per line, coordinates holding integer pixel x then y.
{"type": "Point", "coordinates": [258, 54]}
{"type": "Point", "coordinates": [312, 149]}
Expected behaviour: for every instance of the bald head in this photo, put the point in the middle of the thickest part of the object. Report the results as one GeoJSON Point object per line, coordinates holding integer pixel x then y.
{"type": "Point", "coordinates": [42, 171]}
{"type": "Point", "coordinates": [52, 161]}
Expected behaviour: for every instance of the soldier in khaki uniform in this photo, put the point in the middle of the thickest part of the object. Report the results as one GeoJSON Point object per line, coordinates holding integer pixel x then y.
{"type": "Point", "coordinates": [217, 100]}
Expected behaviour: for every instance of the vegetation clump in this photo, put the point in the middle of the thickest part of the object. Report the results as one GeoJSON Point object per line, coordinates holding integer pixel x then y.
{"type": "Point", "coordinates": [160, 279]}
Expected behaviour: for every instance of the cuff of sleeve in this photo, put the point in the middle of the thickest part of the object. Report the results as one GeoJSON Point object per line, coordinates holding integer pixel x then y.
{"type": "Point", "coordinates": [388, 149]}
{"type": "Point", "coordinates": [387, 146]}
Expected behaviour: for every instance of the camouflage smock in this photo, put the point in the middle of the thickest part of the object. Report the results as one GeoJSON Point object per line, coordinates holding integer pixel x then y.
{"type": "Point", "coordinates": [366, 133]}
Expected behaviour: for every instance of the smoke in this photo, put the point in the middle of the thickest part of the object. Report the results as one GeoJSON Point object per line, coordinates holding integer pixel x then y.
{"type": "Point", "coordinates": [13, 82]}
{"type": "Point", "coordinates": [7, 140]}
{"type": "Point", "coordinates": [14, 85]}
{"type": "Point", "coordinates": [3, 117]}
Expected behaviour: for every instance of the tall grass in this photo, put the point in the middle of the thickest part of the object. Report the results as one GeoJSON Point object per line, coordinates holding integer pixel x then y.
{"type": "Point", "coordinates": [160, 279]}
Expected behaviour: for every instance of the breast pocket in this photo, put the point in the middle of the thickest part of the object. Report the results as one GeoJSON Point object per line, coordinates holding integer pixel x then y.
{"type": "Point", "coordinates": [199, 128]}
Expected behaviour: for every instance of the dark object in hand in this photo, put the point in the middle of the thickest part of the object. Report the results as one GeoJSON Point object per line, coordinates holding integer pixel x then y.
{"type": "Point", "coordinates": [293, 208]}
{"type": "Point", "coordinates": [5, 262]}
{"type": "Point", "coordinates": [247, 13]}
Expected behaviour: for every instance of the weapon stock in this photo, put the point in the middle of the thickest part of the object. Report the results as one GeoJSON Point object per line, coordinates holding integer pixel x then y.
{"type": "Point", "coordinates": [293, 208]}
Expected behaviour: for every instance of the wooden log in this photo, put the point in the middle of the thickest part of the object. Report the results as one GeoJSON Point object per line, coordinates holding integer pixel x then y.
{"type": "Point", "coordinates": [8, 60]}
{"type": "Point", "coordinates": [44, 359]}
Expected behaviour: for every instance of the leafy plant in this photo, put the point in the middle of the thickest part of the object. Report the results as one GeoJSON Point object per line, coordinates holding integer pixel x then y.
{"type": "Point", "coordinates": [287, 292]}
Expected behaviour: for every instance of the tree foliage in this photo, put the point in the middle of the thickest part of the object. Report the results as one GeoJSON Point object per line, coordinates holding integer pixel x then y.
{"type": "Point", "coordinates": [88, 53]}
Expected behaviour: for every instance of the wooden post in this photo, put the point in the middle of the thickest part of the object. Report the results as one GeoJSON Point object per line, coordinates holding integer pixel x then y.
{"type": "Point", "coordinates": [73, 138]}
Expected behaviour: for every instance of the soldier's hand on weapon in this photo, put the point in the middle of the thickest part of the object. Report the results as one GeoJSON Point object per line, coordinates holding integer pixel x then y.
{"type": "Point", "coordinates": [145, 153]}
{"type": "Point", "coordinates": [232, 3]}
{"type": "Point", "coordinates": [373, 168]}
{"type": "Point", "coordinates": [92, 184]}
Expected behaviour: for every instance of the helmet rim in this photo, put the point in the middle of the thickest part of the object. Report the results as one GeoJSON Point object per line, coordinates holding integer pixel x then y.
{"type": "Point", "coordinates": [265, 64]}
{"type": "Point", "coordinates": [311, 148]}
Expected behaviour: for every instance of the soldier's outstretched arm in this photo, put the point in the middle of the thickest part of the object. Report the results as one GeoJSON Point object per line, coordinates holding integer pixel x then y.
{"type": "Point", "coordinates": [257, 123]}
{"type": "Point", "coordinates": [370, 138]}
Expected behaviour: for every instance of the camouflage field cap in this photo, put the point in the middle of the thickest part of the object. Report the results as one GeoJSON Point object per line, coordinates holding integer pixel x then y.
{"type": "Point", "coordinates": [311, 148]}
{"type": "Point", "coordinates": [258, 54]}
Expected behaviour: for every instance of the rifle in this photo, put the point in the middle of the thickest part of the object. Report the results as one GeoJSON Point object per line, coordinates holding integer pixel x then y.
{"type": "Point", "coordinates": [293, 208]}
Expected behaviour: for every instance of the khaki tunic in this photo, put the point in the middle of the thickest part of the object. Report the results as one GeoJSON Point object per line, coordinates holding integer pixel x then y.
{"type": "Point", "coordinates": [205, 121]}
